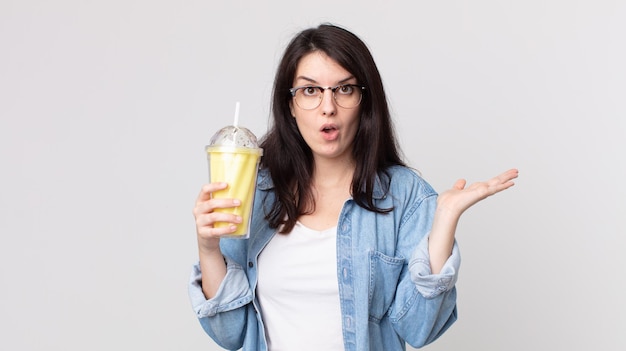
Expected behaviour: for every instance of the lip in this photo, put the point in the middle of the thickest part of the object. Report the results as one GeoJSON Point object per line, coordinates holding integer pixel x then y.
{"type": "Point", "coordinates": [329, 131]}
{"type": "Point", "coordinates": [328, 126]}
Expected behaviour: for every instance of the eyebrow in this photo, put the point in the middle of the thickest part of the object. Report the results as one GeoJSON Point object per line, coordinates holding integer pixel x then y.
{"type": "Point", "coordinates": [315, 82]}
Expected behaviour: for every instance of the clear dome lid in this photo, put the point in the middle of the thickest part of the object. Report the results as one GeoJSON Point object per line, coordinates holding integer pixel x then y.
{"type": "Point", "coordinates": [234, 136]}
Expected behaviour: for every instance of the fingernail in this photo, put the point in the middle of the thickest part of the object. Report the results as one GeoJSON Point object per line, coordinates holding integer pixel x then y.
{"type": "Point", "coordinates": [236, 202]}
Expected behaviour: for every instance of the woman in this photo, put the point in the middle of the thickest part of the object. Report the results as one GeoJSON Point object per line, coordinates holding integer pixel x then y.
{"type": "Point", "coordinates": [349, 248]}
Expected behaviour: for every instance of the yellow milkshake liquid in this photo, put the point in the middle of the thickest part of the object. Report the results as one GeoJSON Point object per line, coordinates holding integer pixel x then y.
{"type": "Point", "coordinates": [236, 166]}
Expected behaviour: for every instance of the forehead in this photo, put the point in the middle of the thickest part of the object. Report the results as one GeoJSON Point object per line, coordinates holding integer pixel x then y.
{"type": "Point", "coordinates": [320, 68]}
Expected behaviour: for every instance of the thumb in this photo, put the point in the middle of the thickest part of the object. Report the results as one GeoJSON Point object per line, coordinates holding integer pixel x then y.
{"type": "Point", "coordinates": [460, 184]}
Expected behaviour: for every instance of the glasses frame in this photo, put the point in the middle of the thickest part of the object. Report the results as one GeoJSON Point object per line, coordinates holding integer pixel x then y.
{"type": "Point", "coordinates": [294, 90]}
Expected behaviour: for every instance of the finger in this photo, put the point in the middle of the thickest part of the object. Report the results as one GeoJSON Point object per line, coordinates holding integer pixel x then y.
{"type": "Point", "coordinates": [506, 179]}
{"type": "Point", "coordinates": [498, 184]}
{"type": "Point", "coordinates": [211, 232]}
{"type": "Point", "coordinates": [206, 224]}
{"type": "Point", "coordinates": [211, 205]}
{"type": "Point", "coordinates": [503, 178]}
{"type": "Point", "coordinates": [207, 189]}
{"type": "Point", "coordinates": [209, 219]}
{"type": "Point", "coordinates": [508, 175]}
{"type": "Point", "coordinates": [460, 184]}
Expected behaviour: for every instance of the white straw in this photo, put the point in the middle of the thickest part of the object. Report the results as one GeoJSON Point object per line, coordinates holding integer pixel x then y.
{"type": "Point", "coordinates": [236, 123]}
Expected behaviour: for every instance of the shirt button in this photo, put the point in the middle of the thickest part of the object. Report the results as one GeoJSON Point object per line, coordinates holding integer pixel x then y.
{"type": "Point", "coordinates": [250, 264]}
{"type": "Point", "coordinates": [345, 272]}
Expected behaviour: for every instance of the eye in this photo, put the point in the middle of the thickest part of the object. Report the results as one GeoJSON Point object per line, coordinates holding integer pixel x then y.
{"type": "Point", "coordinates": [310, 91]}
{"type": "Point", "coordinates": [345, 89]}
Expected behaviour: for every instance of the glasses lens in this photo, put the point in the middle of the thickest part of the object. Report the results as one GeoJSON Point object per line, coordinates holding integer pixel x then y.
{"type": "Point", "coordinates": [308, 98]}
{"type": "Point", "coordinates": [348, 96]}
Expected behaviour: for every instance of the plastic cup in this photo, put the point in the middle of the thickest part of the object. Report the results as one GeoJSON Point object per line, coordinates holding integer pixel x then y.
{"type": "Point", "coordinates": [233, 156]}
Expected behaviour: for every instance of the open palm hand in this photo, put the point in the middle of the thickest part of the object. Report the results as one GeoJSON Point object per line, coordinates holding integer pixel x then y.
{"type": "Point", "coordinates": [459, 198]}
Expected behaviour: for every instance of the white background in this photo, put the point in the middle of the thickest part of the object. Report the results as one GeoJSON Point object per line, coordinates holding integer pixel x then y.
{"type": "Point", "coordinates": [106, 107]}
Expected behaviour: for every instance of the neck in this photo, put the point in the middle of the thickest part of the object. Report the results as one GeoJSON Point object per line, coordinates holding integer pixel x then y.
{"type": "Point", "coordinates": [333, 173]}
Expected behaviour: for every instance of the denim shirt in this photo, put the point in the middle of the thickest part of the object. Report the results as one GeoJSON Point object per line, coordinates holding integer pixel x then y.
{"type": "Point", "coordinates": [387, 293]}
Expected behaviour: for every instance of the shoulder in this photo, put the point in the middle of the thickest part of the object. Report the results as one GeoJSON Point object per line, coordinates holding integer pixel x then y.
{"type": "Point", "coordinates": [410, 195]}
{"type": "Point", "coordinates": [408, 179]}
{"type": "Point", "coordinates": [264, 179]}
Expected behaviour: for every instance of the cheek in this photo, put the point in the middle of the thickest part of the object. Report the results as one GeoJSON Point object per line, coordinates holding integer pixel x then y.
{"type": "Point", "coordinates": [356, 122]}
{"type": "Point", "coordinates": [300, 124]}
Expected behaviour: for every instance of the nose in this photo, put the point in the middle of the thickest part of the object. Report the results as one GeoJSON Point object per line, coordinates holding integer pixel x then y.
{"type": "Point", "coordinates": [329, 105]}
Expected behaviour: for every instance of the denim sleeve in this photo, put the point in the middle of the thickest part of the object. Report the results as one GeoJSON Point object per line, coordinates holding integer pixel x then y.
{"type": "Point", "coordinates": [425, 303]}
{"type": "Point", "coordinates": [232, 293]}
{"type": "Point", "coordinates": [430, 285]}
{"type": "Point", "coordinates": [223, 317]}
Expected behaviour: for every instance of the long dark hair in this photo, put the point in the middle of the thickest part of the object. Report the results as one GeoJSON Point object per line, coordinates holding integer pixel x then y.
{"type": "Point", "coordinates": [287, 156]}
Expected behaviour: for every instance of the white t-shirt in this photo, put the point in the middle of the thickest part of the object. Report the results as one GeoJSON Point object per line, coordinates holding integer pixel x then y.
{"type": "Point", "coordinates": [298, 291]}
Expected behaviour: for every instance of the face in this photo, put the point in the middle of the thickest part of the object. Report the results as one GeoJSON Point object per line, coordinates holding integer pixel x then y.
{"type": "Point", "coordinates": [329, 129]}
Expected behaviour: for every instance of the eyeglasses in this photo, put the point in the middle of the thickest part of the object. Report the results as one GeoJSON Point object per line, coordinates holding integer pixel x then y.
{"type": "Point", "coordinates": [310, 97]}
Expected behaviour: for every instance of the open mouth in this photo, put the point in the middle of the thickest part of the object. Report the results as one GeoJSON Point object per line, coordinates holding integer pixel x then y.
{"type": "Point", "coordinates": [328, 129]}
{"type": "Point", "coordinates": [330, 132]}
